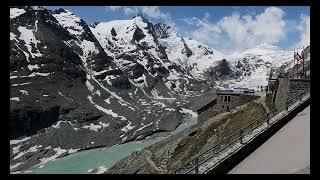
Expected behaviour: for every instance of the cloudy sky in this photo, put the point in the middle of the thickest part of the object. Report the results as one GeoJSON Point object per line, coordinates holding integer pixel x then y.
{"type": "Point", "coordinates": [225, 28]}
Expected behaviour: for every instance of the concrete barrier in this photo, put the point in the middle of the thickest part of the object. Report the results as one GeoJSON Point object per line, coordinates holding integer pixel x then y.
{"type": "Point", "coordinates": [234, 159]}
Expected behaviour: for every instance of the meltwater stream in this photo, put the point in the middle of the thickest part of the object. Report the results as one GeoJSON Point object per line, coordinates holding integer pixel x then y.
{"type": "Point", "coordinates": [103, 158]}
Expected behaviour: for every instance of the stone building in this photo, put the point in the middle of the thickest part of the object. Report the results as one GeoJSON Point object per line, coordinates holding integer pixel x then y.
{"type": "Point", "coordinates": [230, 99]}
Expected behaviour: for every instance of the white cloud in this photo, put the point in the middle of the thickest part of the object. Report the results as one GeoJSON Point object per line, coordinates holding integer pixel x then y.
{"type": "Point", "coordinates": [126, 9]}
{"type": "Point", "coordinates": [304, 29]}
{"type": "Point", "coordinates": [130, 10]}
{"type": "Point", "coordinates": [150, 11]}
{"type": "Point", "coordinates": [207, 32]}
{"type": "Point", "coordinates": [154, 12]}
{"type": "Point", "coordinates": [239, 32]}
{"type": "Point", "coordinates": [113, 8]}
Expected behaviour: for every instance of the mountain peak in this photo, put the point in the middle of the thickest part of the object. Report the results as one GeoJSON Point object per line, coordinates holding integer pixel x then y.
{"type": "Point", "coordinates": [37, 7]}
{"type": "Point", "coordinates": [162, 25]}
{"type": "Point", "coordinates": [164, 31]}
{"type": "Point", "coordinates": [94, 24]}
{"type": "Point", "coordinates": [60, 10]}
{"type": "Point", "coordinates": [140, 16]}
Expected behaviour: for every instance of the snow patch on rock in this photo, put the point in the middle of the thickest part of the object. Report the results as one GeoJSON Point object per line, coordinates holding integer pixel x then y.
{"type": "Point", "coordinates": [15, 99]}
{"type": "Point", "coordinates": [188, 111]}
{"type": "Point", "coordinates": [14, 12]}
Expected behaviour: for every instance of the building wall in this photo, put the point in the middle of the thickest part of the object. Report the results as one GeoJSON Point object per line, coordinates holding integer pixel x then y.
{"type": "Point", "coordinates": [207, 107]}
{"type": "Point", "coordinates": [282, 91]}
{"type": "Point", "coordinates": [235, 101]}
{"type": "Point", "coordinates": [208, 113]}
{"type": "Point", "coordinates": [223, 105]}
{"type": "Point", "coordinates": [215, 107]}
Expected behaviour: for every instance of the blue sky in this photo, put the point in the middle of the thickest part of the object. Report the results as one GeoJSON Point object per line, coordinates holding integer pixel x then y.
{"type": "Point", "coordinates": [225, 28]}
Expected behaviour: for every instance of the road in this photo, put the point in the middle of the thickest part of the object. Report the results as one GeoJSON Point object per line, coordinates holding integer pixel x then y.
{"type": "Point", "coordinates": [286, 152]}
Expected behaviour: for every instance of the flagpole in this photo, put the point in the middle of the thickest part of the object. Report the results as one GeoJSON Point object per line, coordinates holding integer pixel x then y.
{"type": "Point", "coordinates": [295, 59]}
{"type": "Point", "coordinates": [297, 64]}
{"type": "Point", "coordinates": [302, 61]}
{"type": "Point", "coordinates": [294, 63]}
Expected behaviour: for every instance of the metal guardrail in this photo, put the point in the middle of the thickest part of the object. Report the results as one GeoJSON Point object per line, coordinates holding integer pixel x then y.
{"type": "Point", "coordinates": [193, 164]}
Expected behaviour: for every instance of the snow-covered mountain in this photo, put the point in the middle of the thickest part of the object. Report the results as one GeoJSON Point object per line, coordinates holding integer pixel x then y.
{"type": "Point", "coordinates": [202, 58]}
{"type": "Point", "coordinates": [190, 54]}
{"type": "Point", "coordinates": [75, 86]}
{"type": "Point", "coordinates": [266, 52]}
{"type": "Point", "coordinates": [173, 43]}
{"type": "Point", "coordinates": [72, 90]}
{"type": "Point", "coordinates": [253, 65]}
{"type": "Point", "coordinates": [138, 52]}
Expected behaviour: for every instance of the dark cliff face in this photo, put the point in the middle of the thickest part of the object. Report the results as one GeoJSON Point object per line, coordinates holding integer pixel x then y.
{"type": "Point", "coordinates": [244, 67]}
{"type": "Point", "coordinates": [113, 32]}
{"type": "Point", "coordinates": [50, 61]}
{"type": "Point", "coordinates": [161, 30]}
{"type": "Point", "coordinates": [138, 35]}
{"type": "Point", "coordinates": [48, 77]}
{"type": "Point", "coordinates": [98, 61]}
{"type": "Point", "coordinates": [51, 37]}
{"type": "Point", "coordinates": [221, 71]}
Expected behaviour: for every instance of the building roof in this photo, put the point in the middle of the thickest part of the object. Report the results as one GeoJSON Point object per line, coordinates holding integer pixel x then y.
{"type": "Point", "coordinates": [229, 93]}
{"type": "Point", "coordinates": [237, 91]}
{"type": "Point", "coordinates": [200, 101]}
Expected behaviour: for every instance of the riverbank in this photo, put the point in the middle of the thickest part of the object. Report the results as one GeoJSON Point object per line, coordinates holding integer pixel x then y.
{"type": "Point", "coordinates": [98, 160]}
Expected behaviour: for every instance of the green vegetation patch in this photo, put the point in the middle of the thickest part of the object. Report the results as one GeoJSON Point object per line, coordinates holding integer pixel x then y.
{"type": "Point", "coordinates": [220, 129]}
{"type": "Point", "coordinates": [270, 104]}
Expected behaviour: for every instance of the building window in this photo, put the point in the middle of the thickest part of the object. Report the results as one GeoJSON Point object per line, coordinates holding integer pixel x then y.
{"type": "Point", "coordinates": [221, 98]}
{"type": "Point", "coordinates": [225, 98]}
{"type": "Point", "coordinates": [228, 98]}
{"type": "Point", "coordinates": [222, 106]}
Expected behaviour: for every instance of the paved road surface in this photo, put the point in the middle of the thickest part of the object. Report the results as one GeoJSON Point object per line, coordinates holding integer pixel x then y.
{"type": "Point", "coordinates": [286, 152]}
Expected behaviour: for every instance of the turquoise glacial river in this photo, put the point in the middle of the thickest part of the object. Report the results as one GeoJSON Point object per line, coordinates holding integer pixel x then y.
{"type": "Point", "coordinates": [106, 157]}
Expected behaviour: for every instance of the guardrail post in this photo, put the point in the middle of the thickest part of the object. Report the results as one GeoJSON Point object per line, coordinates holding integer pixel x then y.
{"type": "Point", "coordinates": [196, 169]}
{"type": "Point", "coordinates": [268, 118]}
{"type": "Point", "coordinates": [241, 136]}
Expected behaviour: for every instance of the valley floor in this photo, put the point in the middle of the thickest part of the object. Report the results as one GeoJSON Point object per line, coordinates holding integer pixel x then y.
{"type": "Point", "coordinates": [286, 152]}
